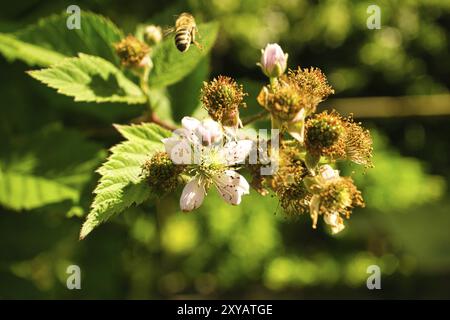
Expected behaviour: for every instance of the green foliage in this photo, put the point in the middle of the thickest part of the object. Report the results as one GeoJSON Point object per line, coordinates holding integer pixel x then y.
{"type": "Point", "coordinates": [26, 191]}
{"type": "Point", "coordinates": [161, 104]}
{"type": "Point", "coordinates": [91, 79]}
{"type": "Point", "coordinates": [82, 66]}
{"type": "Point", "coordinates": [397, 182]}
{"type": "Point", "coordinates": [49, 40]}
{"type": "Point", "coordinates": [170, 66]}
{"type": "Point", "coordinates": [220, 251]}
{"type": "Point", "coordinates": [121, 183]}
{"type": "Point", "coordinates": [13, 48]}
{"type": "Point", "coordinates": [185, 94]}
{"type": "Point", "coordinates": [54, 168]}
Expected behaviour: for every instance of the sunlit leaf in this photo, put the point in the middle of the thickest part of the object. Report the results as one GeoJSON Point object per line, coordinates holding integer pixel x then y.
{"type": "Point", "coordinates": [170, 65]}
{"type": "Point", "coordinates": [121, 184]}
{"type": "Point", "coordinates": [89, 78]}
{"type": "Point", "coordinates": [49, 40]}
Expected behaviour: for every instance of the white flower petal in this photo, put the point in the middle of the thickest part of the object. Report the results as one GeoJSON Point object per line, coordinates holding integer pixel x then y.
{"type": "Point", "coordinates": [335, 221]}
{"type": "Point", "coordinates": [300, 116]}
{"type": "Point", "coordinates": [190, 123]}
{"type": "Point", "coordinates": [296, 131]}
{"type": "Point", "coordinates": [314, 209]}
{"type": "Point", "coordinates": [328, 173]}
{"type": "Point", "coordinates": [338, 228]}
{"type": "Point", "coordinates": [235, 152]}
{"type": "Point", "coordinates": [231, 186]}
{"type": "Point", "coordinates": [193, 195]}
{"type": "Point", "coordinates": [180, 152]}
{"type": "Point", "coordinates": [331, 218]}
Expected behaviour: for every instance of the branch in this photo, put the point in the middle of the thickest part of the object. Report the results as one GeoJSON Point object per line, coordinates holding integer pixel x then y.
{"type": "Point", "coordinates": [155, 119]}
{"type": "Point", "coordinates": [258, 116]}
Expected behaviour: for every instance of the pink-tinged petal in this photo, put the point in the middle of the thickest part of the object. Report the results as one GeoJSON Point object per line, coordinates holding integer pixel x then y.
{"type": "Point", "coordinates": [235, 152]}
{"type": "Point", "coordinates": [273, 60]}
{"type": "Point", "coordinates": [231, 186]}
{"type": "Point", "coordinates": [214, 130]}
{"type": "Point", "coordinates": [209, 132]}
{"type": "Point", "coordinates": [193, 195]}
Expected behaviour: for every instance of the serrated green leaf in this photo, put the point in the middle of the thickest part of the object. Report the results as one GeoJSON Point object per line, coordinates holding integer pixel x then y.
{"type": "Point", "coordinates": [26, 191]}
{"type": "Point", "coordinates": [91, 79]}
{"type": "Point", "coordinates": [48, 167]}
{"type": "Point", "coordinates": [170, 65]}
{"type": "Point", "coordinates": [121, 183]}
{"type": "Point", "coordinates": [13, 48]}
{"type": "Point", "coordinates": [49, 40]}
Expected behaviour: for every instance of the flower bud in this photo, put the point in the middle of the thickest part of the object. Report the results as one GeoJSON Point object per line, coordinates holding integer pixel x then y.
{"type": "Point", "coordinates": [133, 53]}
{"type": "Point", "coordinates": [222, 97]}
{"type": "Point", "coordinates": [152, 35]}
{"type": "Point", "coordinates": [273, 60]}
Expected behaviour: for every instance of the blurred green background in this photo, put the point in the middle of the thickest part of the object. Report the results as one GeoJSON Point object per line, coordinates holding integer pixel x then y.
{"type": "Point", "coordinates": [249, 251]}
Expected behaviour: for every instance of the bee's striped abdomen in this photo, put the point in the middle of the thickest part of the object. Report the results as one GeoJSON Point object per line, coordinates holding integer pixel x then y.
{"type": "Point", "coordinates": [183, 39]}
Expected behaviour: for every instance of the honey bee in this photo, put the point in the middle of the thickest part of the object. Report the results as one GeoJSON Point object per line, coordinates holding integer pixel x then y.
{"type": "Point", "coordinates": [185, 32]}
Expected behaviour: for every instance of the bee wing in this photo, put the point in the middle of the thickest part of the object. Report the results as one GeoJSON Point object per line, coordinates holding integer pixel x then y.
{"type": "Point", "coordinates": [167, 31]}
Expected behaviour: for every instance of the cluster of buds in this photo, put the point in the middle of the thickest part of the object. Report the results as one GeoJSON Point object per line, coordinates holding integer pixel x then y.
{"type": "Point", "coordinates": [305, 181]}
{"type": "Point", "coordinates": [209, 153]}
{"type": "Point", "coordinates": [292, 97]}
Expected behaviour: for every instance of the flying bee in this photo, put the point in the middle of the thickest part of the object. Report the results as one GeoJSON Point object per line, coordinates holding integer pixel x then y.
{"type": "Point", "coordinates": [185, 32]}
